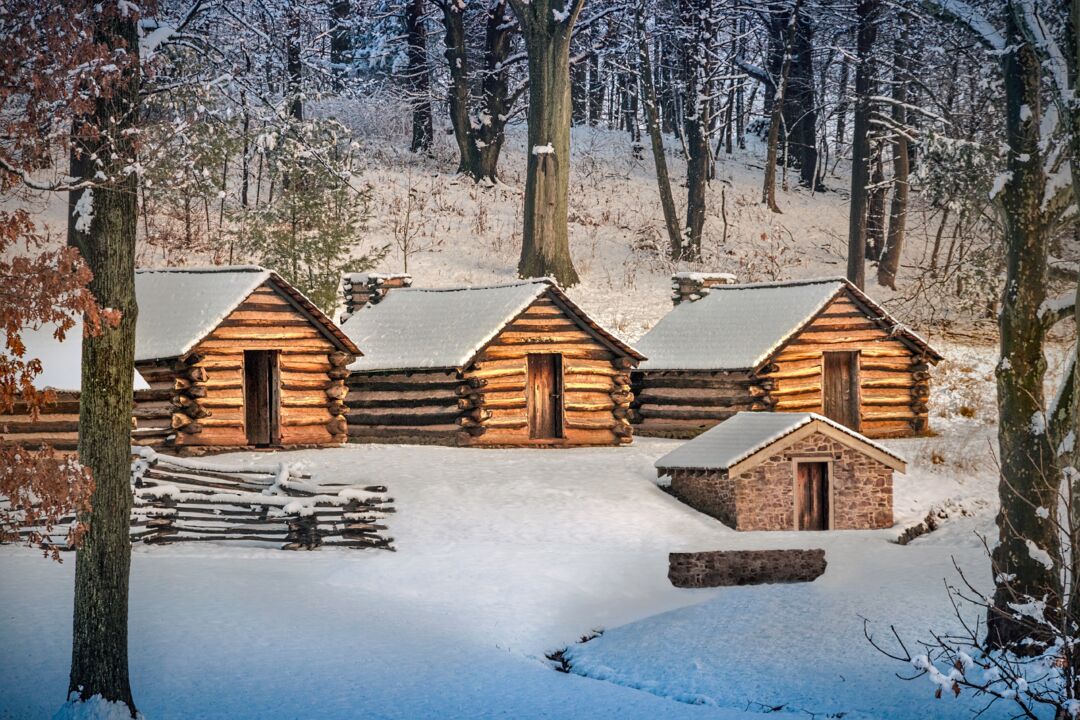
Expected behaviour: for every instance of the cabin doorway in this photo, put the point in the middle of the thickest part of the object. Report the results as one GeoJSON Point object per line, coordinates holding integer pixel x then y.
{"type": "Point", "coordinates": [840, 387]}
{"type": "Point", "coordinates": [262, 397]}
{"type": "Point", "coordinates": [812, 496]}
{"type": "Point", "coordinates": [544, 400]}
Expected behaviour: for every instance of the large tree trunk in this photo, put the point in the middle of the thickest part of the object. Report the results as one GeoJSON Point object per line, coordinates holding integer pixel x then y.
{"type": "Point", "coordinates": [99, 654]}
{"type": "Point", "coordinates": [341, 45]}
{"type": "Point", "coordinates": [875, 209]}
{"type": "Point", "coordinates": [656, 137]}
{"type": "Point", "coordinates": [418, 79]}
{"type": "Point", "coordinates": [800, 105]}
{"type": "Point", "coordinates": [697, 14]}
{"type": "Point", "coordinates": [491, 134]}
{"type": "Point", "coordinates": [545, 245]}
{"type": "Point", "coordinates": [1028, 483]}
{"type": "Point", "coordinates": [785, 28]}
{"type": "Point", "coordinates": [457, 63]}
{"type": "Point", "coordinates": [894, 241]}
{"type": "Point", "coordinates": [866, 33]}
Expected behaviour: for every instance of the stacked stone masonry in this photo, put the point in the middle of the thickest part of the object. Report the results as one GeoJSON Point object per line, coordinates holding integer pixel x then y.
{"type": "Point", "coordinates": [763, 497]}
{"type": "Point", "coordinates": [720, 568]}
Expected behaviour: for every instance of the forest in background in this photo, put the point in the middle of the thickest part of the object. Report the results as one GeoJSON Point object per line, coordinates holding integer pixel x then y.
{"type": "Point", "coordinates": [210, 130]}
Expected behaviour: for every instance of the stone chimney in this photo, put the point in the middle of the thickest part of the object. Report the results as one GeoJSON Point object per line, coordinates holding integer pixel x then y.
{"type": "Point", "coordinates": [691, 286]}
{"type": "Point", "coordinates": [363, 288]}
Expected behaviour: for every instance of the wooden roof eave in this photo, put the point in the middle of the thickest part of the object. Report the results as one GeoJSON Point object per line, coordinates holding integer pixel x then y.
{"type": "Point", "coordinates": [874, 312]}
{"type": "Point", "coordinates": [317, 317]}
{"type": "Point", "coordinates": [584, 321]}
{"type": "Point", "coordinates": [804, 431]}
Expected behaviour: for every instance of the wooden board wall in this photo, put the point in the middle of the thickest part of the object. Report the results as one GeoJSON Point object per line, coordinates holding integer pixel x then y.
{"type": "Point", "coordinates": [485, 404]}
{"type": "Point", "coordinates": [596, 382]}
{"type": "Point", "coordinates": [264, 321]}
{"type": "Point", "coordinates": [893, 381]}
{"type": "Point", "coordinates": [419, 408]}
{"type": "Point", "coordinates": [57, 424]}
{"type": "Point", "coordinates": [685, 404]}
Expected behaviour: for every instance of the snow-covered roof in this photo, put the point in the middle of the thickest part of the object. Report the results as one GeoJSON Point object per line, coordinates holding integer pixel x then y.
{"type": "Point", "coordinates": [738, 327]}
{"type": "Point", "coordinates": [61, 362]}
{"type": "Point", "coordinates": [178, 307]}
{"type": "Point", "coordinates": [746, 433]}
{"type": "Point", "coordinates": [444, 327]}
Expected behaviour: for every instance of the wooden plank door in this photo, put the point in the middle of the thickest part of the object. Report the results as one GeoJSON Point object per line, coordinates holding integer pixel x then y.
{"type": "Point", "coordinates": [840, 387]}
{"type": "Point", "coordinates": [262, 397]}
{"type": "Point", "coordinates": [812, 496]}
{"type": "Point", "coordinates": [545, 405]}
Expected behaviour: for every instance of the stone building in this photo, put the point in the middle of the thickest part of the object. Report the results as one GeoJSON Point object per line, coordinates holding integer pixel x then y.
{"type": "Point", "coordinates": [785, 471]}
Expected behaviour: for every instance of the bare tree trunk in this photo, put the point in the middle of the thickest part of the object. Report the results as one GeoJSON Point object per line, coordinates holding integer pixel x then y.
{"type": "Point", "coordinates": [696, 13]}
{"type": "Point", "coordinates": [99, 654]}
{"type": "Point", "coordinates": [457, 64]}
{"type": "Point", "coordinates": [489, 137]}
{"type": "Point", "coordinates": [418, 80]}
{"type": "Point", "coordinates": [1028, 480]}
{"type": "Point", "coordinates": [776, 117]}
{"type": "Point", "coordinates": [842, 102]}
{"type": "Point", "coordinates": [652, 122]}
{"type": "Point", "coordinates": [596, 90]}
{"type": "Point", "coordinates": [866, 33]}
{"type": "Point", "coordinates": [293, 66]}
{"type": "Point", "coordinates": [894, 241]}
{"type": "Point", "coordinates": [875, 209]}
{"type": "Point", "coordinates": [341, 45]}
{"type": "Point", "coordinates": [545, 245]}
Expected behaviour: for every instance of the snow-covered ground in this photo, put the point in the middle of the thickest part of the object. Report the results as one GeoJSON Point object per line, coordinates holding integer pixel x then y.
{"type": "Point", "coordinates": [503, 556]}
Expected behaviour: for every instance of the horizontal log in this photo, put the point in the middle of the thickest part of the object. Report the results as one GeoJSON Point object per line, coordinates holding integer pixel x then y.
{"type": "Point", "coordinates": [397, 418]}
{"type": "Point", "coordinates": [41, 426]}
{"type": "Point", "coordinates": [405, 402]}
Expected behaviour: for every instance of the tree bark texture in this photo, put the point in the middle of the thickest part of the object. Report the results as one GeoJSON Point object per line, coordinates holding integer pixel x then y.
{"type": "Point", "coordinates": [545, 246]}
{"type": "Point", "coordinates": [889, 264]}
{"type": "Point", "coordinates": [341, 45]}
{"type": "Point", "coordinates": [419, 77]}
{"type": "Point", "coordinates": [99, 655]}
{"type": "Point", "coordinates": [1028, 478]}
{"type": "Point", "coordinates": [656, 137]}
{"type": "Point", "coordinates": [866, 33]}
{"type": "Point", "coordinates": [786, 23]}
{"type": "Point", "coordinates": [697, 15]}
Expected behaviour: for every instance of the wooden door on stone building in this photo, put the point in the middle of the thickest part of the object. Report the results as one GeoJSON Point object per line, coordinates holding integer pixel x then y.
{"type": "Point", "coordinates": [262, 397]}
{"type": "Point", "coordinates": [544, 396]}
{"type": "Point", "coordinates": [840, 387]}
{"type": "Point", "coordinates": [812, 496]}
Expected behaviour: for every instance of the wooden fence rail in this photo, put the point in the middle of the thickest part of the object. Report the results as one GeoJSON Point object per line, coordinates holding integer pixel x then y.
{"type": "Point", "coordinates": [187, 500]}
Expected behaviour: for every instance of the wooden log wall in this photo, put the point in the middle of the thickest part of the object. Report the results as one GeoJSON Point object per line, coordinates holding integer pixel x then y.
{"type": "Point", "coordinates": [596, 383]}
{"type": "Point", "coordinates": [893, 380]}
{"type": "Point", "coordinates": [684, 404]}
{"type": "Point", "coordinates": [208, 400]}
{"type": "Point", "coordinates": [57, 424]}
{"type": "Point", "coordinates": [419, 408]}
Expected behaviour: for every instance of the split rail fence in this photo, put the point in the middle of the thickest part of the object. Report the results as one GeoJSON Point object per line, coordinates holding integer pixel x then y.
{"type": "Point", "coordinates": [187, 500]}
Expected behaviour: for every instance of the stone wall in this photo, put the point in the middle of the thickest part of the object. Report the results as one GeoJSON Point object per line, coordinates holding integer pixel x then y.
{"type": "Point", "coordinates": [860, 488]}
{"type": "Point", "coordinates": [707, 491]}
{"type": "Point", "coordinates": [719, 568]}
{"type": "Point", "coordinates": [763, 497]}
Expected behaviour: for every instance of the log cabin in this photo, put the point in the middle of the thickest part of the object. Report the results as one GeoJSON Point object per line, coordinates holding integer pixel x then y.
{"type": "Point", "coordinates": [507, 365]}
{"type": "Point", "coordinates": [818, 346]}
{"type": "Point", "coordinates": [226, 357]}
{"type": "Point", "coordinates": [785, 471]}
